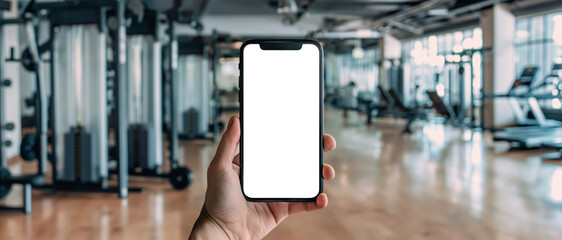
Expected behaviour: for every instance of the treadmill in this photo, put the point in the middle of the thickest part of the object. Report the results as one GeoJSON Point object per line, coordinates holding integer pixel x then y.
{"type": "Point", "coordinates": [535, 132]}
{"type": "Point", "coordinates": [521, 93]}
{"type": "Point", "coordinates": [555, 144]}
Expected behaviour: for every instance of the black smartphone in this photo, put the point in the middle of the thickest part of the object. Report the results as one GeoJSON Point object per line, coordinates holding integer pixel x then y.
{"type": "Point", "coordinates": [281, 113]}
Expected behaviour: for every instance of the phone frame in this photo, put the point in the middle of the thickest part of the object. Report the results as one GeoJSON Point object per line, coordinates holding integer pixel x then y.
{"type": "Point", "coordinates": [283, 44]}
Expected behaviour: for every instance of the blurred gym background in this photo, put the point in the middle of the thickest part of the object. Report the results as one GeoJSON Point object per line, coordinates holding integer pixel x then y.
{"type": "Point", "coordinates": [447, 115]}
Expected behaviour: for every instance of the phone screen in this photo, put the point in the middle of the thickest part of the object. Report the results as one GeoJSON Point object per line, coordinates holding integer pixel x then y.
{"type": "Point", "coordinates": [281, 148]}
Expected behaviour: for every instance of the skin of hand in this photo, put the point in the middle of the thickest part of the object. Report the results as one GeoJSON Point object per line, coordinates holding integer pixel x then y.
{"type": "Point", "coordinates": [226, 214]}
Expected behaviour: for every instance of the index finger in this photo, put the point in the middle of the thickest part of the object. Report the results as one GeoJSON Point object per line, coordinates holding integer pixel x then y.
{"type": "Point", "coordinates": [226, 150]}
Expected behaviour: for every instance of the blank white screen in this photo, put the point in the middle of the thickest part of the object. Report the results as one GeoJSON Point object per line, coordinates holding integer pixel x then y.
{"type": "Point", "coordinates": [281, 97]}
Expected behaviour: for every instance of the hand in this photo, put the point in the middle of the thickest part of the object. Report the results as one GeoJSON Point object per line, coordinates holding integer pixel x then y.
{"type": "Point", "coordinates": [226, 214]}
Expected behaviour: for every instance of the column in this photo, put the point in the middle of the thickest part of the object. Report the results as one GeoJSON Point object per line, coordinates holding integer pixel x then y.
{"type": "Point", "coordinates": [498, 32]}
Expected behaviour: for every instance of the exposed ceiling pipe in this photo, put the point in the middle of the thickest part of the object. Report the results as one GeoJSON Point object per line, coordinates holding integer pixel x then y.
{"type": "Point", "coordinates": [474, 7]}
{"type": "Point", "coordinates": [406, 12]}
{"type": "Point", "coordinates": [359, 34]}
{"type": "Point", "coordinates": [349, 25]}
{"type": "Point", "coordinates": [463, 10]}
{"type": "Point", "coordinates": [394, 19]}
{"type": "Point", "coordinates": [406, 27]}
{"type": "Point", "coordinates": [395, 16]}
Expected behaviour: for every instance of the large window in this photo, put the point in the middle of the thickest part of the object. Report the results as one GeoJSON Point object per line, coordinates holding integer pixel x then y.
{"type": "Point", "coordinates": [433, 63]}
{"type": "Point", "coordinates": [538, 42]}
{"type": "Point", "coordinates": [360, 68]}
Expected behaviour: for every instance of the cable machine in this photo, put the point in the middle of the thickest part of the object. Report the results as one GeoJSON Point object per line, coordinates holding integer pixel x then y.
{"type": "Point", "coordinates": [78, 107]}
{"type": "Point", "coordinates": [144, 98]}
{"type": "Point", "coordinates": [194, 103]}
{"type": "Point", "coordinates": [199, 106]}
{"type": "Point", "coordinates": [456, 86]}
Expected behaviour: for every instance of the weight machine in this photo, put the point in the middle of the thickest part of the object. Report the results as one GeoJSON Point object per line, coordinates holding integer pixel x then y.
{"type": "Point", "coordinates": [453, 96]}
{"type": "Point", "coordinates": [78, 107]}
{"type": "Point", "coordinates": [197, 67]}
{"type": "Point", "coordinates": [449, 96]}
{"type": "Point", "coordinates": [144, 98]}
{"type": "Point", "coordinates": [34, 64]}
{"type": "Point", "coordinates": [195, 104]}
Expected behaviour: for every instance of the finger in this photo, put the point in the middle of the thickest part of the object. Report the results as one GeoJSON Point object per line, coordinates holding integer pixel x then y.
{"type": "Point", "coordinates": [229, 143]}
{"type": "Point", "coordinates": [298, 207]}
{"type": "Point", "coordinates": [328, 172]}
{"type": "Point", "coordinates": [329, 143]}
{"type": "Point", "coordinates": [321, 201]}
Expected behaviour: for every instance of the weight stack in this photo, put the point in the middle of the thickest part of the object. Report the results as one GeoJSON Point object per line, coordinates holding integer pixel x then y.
{"type": "Point", "coordinates": [191, 123]}
{"type": "Point", "coordinates": [78, 163]}
{"type": "Point", "coordinates": [141, 146]}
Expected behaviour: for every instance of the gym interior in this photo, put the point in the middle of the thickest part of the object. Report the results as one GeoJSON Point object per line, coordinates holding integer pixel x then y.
{"type": "Point", "coordinates": [447, 115]}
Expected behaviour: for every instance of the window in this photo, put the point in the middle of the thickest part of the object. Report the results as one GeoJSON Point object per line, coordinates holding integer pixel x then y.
{"type": "Point", "coordinates": [433, 62]}
{"type": "Point", "coordinates": [361, 69]}
{"type": "Point", "coordinates": [538, 42]}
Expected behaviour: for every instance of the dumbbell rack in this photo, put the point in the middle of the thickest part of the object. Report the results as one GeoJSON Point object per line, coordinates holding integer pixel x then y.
{"type": "Point", "coordinates": [6, 180]}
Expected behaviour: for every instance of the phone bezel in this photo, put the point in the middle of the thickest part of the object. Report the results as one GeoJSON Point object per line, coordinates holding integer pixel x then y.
{"type": "Point", "coordinates": [282, 44]}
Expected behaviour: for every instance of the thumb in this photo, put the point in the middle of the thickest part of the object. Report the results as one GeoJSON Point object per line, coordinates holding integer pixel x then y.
{"type": "Point", "coordinates": [228, 144]}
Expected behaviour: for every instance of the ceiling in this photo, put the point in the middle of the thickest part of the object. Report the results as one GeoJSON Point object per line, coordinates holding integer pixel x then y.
{"type": "Point", "coordinates": [261, 17]}
{"type": "Point", "coordinates": [299, 18]}
{"type": "Point", "coordinates": [359, 8]}
{"type": "Point", "coordinates": [240, 7]}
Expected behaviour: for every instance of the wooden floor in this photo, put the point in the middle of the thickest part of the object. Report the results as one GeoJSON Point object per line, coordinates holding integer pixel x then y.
{"type": "Point", "coordinates": [438, 183]}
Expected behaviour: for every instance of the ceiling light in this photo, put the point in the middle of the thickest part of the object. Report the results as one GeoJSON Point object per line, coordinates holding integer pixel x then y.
{"type": "Point", "coordinates": [438, 12]}
{"type": "Point", "coordinates": [357, 51]}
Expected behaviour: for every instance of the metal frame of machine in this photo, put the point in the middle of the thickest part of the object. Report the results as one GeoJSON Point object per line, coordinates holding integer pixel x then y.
{"type": "Point", "coordinates": [33, 64]}
{"type": "Point", "coordinates": [95, 12]}
{"type": "Point", "coordinates": [208, 48]}
{"type": "Point", "coordinates": [74, 13]}
{"type": "Point", "coordinates": [179, 177]}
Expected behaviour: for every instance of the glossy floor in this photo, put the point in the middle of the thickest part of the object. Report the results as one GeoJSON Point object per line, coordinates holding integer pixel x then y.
{"type": "Point", "coordinates": [438, 183]}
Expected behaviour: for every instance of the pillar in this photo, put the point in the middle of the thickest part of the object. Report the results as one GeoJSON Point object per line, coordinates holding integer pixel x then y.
{"type": "Point", "coordinates": [498, 33]}
{"type": "Point", "coordinates": [390, 48]}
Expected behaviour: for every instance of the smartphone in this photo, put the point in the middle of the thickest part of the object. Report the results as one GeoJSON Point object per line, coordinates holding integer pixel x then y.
{"type": "Point", "coordinates": [281, 114]}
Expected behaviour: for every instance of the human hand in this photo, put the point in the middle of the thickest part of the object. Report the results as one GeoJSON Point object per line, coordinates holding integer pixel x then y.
{"type": "Point", "coordinates": [226, 214]}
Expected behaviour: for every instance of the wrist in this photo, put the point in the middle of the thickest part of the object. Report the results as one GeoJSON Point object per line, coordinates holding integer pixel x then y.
{"type": "Point", "coordinates": [207, 228]}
